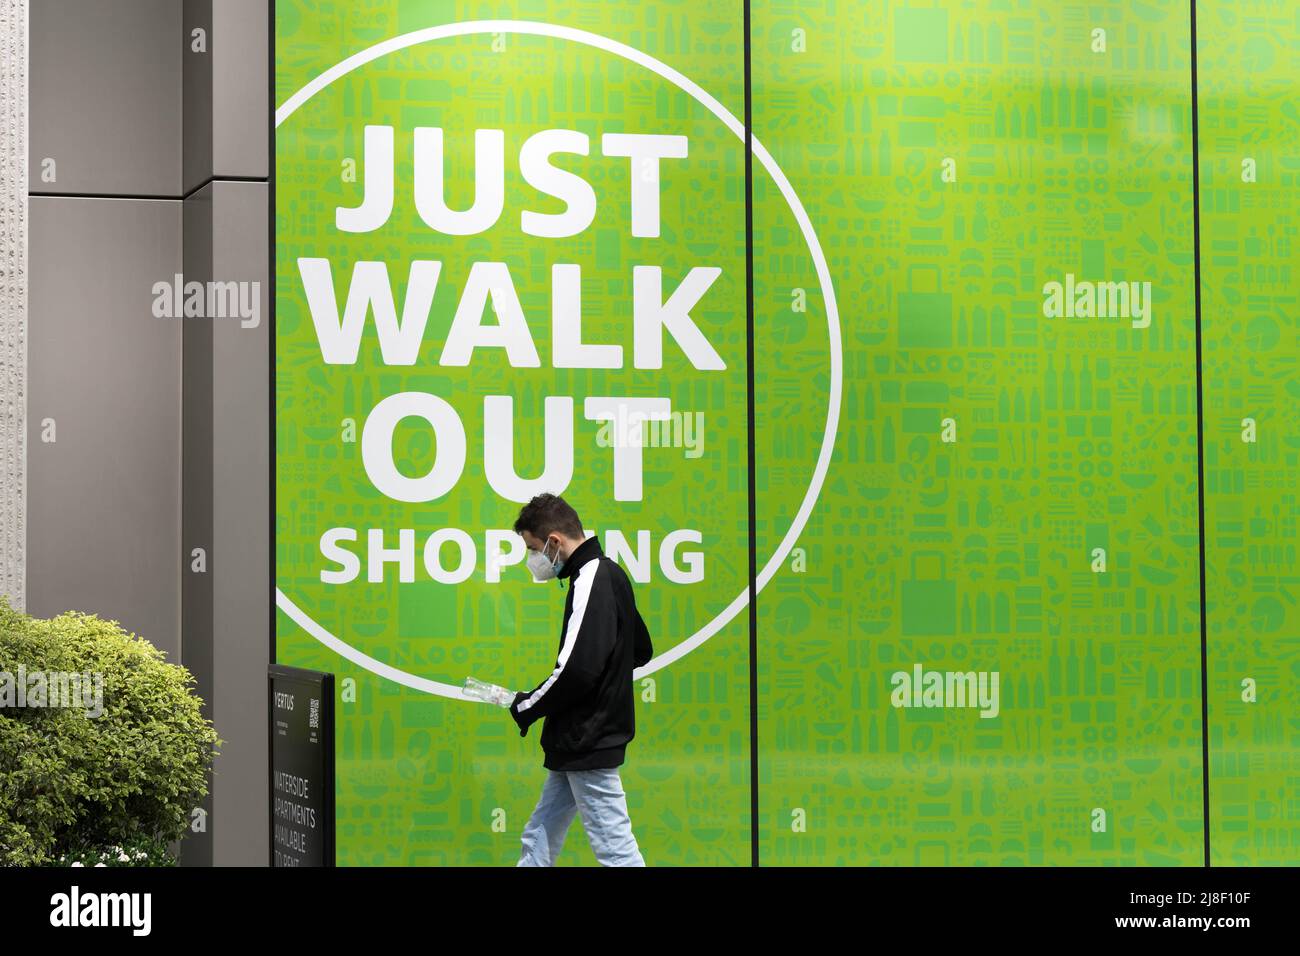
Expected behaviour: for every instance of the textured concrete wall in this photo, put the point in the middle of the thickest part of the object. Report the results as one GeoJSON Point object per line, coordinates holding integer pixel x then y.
{"type": "Point", "coordinates": [13, 300]}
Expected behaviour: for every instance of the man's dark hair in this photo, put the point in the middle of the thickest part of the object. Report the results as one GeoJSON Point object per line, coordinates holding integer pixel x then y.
{"type": "Point", "coordinates": [547, 513]}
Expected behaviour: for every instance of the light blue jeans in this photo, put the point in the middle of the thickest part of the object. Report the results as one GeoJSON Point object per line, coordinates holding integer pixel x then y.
{"type": "Point", "coordinates": [598, 796]}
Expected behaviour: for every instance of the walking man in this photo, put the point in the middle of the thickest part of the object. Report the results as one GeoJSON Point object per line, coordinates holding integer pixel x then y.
{"type": "Point", "coordinates": [587, 699]}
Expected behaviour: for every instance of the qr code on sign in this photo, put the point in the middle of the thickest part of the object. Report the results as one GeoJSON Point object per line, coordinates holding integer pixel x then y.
{"type": "Point", "coordinates": [314, 720]}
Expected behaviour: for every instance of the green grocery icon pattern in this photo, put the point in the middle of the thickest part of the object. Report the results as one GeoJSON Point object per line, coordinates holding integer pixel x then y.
{"type": "Point", "coordinates": [1012, 493]}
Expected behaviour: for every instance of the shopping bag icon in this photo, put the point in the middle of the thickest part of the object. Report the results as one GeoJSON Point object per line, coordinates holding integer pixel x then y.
{"type": "Point", "coordinates": [924, 310]}
{"type": "Point", "coordinates": [929, 603]}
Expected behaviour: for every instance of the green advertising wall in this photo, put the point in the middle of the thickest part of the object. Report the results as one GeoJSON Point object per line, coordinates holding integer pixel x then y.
{"type": "Point", "coordinates": [961, 472]}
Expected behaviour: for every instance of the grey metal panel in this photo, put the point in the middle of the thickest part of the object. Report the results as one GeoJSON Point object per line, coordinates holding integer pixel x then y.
{"type": "Point", "coordinates": [226, 91]}
{"type": "Point", "coordinates": [197, 104]}
{"type": "Point", "coordinates": [240, 88]}
{"type": "Point", "coordinates": [13, 301]}
{"type": "Point", "coordinates": [241, 523]}
{"type": "Point", "coordinates": [104, 498]}
{"type": "Point", "coordinates": [227, 512]}
{"type": "Point", "coordinates": [106, 96]}
{"type": "Point", "coordinates": [196, 491]}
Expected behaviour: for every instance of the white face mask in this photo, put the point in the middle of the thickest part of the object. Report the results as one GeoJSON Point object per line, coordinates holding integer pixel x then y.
{"type": "Point", "coordinates": [543, 567]}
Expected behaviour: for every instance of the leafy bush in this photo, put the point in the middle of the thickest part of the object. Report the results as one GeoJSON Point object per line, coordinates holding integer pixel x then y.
{"type": "Point", "coordinates": [76, 787]}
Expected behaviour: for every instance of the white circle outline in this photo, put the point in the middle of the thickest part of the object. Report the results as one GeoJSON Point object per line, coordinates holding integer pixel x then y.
{"type": "Point", "coordinates": [537, 28]}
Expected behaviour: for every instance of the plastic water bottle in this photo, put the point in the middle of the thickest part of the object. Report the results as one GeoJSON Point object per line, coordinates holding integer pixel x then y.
{"type": "Point", "coordinates": [492, 693]}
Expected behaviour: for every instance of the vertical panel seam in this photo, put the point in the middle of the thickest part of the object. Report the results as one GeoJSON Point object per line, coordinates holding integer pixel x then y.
{"type": "Point", "coordinates": [752, 487]}
{"type": "Point", "coordinates": [1200, 446]}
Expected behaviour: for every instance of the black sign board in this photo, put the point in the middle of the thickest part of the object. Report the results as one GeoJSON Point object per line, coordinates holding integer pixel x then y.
{"type": "Point", "coordinates": [302, 766]}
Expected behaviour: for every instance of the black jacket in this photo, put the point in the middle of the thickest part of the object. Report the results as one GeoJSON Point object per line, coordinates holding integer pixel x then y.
{"type": "Point", "coordinates": [587, 700]}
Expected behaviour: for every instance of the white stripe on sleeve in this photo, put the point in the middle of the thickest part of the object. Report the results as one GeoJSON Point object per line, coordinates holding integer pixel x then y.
{"type": "Point", "coordinates": [581, 591]}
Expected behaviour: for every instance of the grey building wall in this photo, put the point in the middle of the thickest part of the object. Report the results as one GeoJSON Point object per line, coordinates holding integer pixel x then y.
{"type": "Point", "coordinates": [226, 122]}
{"type": "Point", "coordinates": [196, 502]}
{"type": "Point", "coordinates": [227, 457]}
{"type": "Point", "coordinates": [227, 454]}
{"type": "Point", "coordinates": [159, 142]}
{"type": "Point", "coordinates": [104, 410]}
{"type": "Point", "coordinates": [226, 513]}
{"type": "Point", "coordinates": [104, 497]}
{"type": "Point", "coordinates": [197, 94]}
{"type": "Point", "coordinates": [105, 97]}
{"type": "Point", "coordinates": [241, 569]}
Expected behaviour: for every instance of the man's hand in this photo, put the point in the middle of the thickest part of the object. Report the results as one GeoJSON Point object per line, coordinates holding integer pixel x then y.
{"type": "Point", "coordinates": [521, 721]}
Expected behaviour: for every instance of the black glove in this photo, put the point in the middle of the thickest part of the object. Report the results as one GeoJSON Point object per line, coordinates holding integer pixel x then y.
{"type": "Point", "coordinates": [514, 712]}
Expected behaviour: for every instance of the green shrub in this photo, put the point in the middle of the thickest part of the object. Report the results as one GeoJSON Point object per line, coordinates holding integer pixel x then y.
{"type": "Point", "coordinates": [90, 788]}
